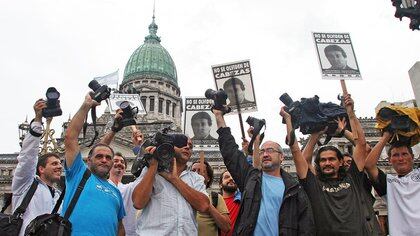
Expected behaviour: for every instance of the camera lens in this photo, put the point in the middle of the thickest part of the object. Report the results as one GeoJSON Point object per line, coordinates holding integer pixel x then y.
{"type": "Point", "coordinates": [94, 85]}
{"type": "Point", "coordinates": [124, 104]}
{"type": "Point", "coordinates": [52, 93]}
{"type": "Point", "coordinates": [286, 99]}
{"type": "Point", "coordinates": [209, 93]}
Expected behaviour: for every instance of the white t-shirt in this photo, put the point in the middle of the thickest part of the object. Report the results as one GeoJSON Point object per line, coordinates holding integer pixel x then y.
{"type": "Point", "coordinates": [403, 197]}
{"type": "Point", "coordinates": [129, 220]}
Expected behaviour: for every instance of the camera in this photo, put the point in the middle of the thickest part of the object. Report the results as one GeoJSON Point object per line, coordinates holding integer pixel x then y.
{"type": "Point", "coordinates": [164, 152]}
{"type": "Point", "coordinates": [100, 92]}
{"type": "Point", "coordinates": [53, 103]}
{"type": "Point", "coordinates": [129, 114]}
{"type": "Point", "coordinates": [293, 108]}
{"type": "Point", "coordinates": [219, 97]}
{"type": "Point", "coordinates": [257, 124]}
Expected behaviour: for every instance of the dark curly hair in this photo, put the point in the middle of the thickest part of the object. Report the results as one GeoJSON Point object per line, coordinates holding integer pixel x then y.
{"type": "Point", "coordinates": [341, 170]}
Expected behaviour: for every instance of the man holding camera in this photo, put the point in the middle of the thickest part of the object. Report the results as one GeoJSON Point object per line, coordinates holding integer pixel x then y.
{"type": "Point", "coordinates": [402, 191]}
{"type": "Point", "coordinates": [338, 198]}
{"type": "Point", "coordinates": [46, 170]}
{"type": "Point", "coordinates": [273, 203]}
{"type": "Point", "coordinates": [170, 199]}
{"type": "Point", "coordinates": [99, 209]}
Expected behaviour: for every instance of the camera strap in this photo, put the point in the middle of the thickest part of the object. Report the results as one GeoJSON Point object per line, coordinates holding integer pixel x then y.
{"type": "Point", "coordinates": [27, 199]}
{"type": "Point", "coordinates": [59, 201]}
{"type": "Point", "coordinates": [85, 125]}
{"type": "Point", "coordinates": [76, 195]}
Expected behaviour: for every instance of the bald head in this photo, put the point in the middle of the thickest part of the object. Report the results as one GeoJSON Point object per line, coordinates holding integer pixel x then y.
{"type": "Point", "coordinates": [272, 144]}
{"type": "Point", "coordinates": [271, 157]}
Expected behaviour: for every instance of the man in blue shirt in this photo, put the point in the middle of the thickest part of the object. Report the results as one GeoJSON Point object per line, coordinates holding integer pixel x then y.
{"type": "Point", "coordinates": [273, 202]}
{"type": "Point", "coordinates": [99, 209]}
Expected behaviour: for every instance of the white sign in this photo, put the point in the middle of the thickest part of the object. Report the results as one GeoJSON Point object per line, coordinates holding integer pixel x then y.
{"type": "Point", "coordinates": [336, 56]}
{"type": "Point", "coordinates": [115, 100]}
{"type": "Point", "coordinates": [200, 123]}
{"type": "Point", "coordinates": [239, 74]}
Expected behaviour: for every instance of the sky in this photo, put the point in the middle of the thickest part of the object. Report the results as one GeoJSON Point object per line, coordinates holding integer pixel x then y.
{"type": "Point", "coordinates": [65, 44]}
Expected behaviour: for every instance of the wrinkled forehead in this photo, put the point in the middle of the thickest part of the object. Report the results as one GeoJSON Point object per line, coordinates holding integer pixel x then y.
{"type": "Point", "coordinates": [102, 150]}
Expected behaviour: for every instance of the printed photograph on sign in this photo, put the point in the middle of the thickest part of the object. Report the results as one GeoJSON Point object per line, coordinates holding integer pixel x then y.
{"type": "Point", "coordinates": [336, 56]}
{"type": "Point", "coordinates": [200, 123]}
{"type": "Point", "coordinates": [236, 76]}
{"type": "Point", "coordinates": [115, 100]}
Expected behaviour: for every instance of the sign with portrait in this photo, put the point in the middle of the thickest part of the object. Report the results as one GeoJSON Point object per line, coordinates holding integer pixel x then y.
{"type": "Point", "coordinates": [336, 56]}
{"type": "Point", "coordinates": [200, 123]}
{"type": "Point", "coordinates": [115, 99]}
{"type": "Point", "coordinates": [237, 75]}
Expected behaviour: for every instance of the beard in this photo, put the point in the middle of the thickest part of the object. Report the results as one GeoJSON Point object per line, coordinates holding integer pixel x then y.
{"type": "Point", "coordinates": [101, 173]}
{"type": "Point", "coordinates": [229, 189]}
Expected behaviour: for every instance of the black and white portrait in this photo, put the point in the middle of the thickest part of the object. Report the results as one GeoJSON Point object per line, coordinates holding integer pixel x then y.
{"type": "Point", "coordinates": [236, 76]}
{"type": "Point", "coordinates": [200, 123]}
{"type": "Point", "coordinates": [336, 56]}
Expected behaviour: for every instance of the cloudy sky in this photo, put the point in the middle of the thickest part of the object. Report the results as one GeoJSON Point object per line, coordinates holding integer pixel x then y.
{"type": "Point", "coordinates": [66, 43]}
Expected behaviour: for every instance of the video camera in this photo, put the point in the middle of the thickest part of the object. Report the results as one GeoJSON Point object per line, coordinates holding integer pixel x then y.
{"type": "Point", "coordinates": [400, 124]}
{"type": "Point", "coordinates": [164, 152]}
{"type": "Point", "coordinates": [53, 103]}
{"type": "Point", "coordinates": [219, 97]}
{"type": "Point", "coordinates": [100, 92]}
{"type": "Point", "coordinates": [312, 116]}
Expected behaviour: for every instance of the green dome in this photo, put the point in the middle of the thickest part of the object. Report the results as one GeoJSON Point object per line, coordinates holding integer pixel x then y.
{"type": "Point", "coordinates": [151, 59]}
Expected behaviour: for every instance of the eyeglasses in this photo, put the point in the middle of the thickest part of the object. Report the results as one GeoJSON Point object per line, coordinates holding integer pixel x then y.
{"type": "Point", "coordinates": [268, 150]}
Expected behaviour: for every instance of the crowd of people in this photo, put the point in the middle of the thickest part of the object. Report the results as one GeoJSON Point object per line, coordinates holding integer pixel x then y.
{"type": "Point", "coordinates": [332, 194]}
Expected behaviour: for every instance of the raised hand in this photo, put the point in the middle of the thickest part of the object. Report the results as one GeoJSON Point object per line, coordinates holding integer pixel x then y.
{"type": "Point", "coordinates": [38, 107]}
{"type": "Point", "coordinates": [137, 138]}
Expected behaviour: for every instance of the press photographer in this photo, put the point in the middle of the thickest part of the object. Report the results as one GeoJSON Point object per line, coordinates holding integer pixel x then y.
{"type": "Point", "coordinates": [288, 204]}
{"type": "Point", "coordinates": [177, 192]}
{"type": "Point", "coordinates": [34, 178]}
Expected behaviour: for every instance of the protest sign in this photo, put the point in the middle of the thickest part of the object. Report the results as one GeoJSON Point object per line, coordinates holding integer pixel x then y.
{"type": "Point", "coordinates": [336, 56]}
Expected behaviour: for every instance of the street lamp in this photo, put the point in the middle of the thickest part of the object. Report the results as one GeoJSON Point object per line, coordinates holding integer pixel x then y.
{"type": "Point", "coordinates": [409, 9]}
{"type": "Point", "coordinates": [23, 130]}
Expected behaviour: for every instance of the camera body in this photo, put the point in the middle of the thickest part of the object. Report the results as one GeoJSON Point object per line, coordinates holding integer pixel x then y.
{"type": "Point", "coordinates": [219, 97]}
{"type": "Point", "coordinates": [256, 123]}
{"type": "Point", "coordinates": [164, 153]}
{"type": "Point", "coordinates": [100, 92]}
{"type": "Point", "coordinates": [129, 114]}
{"type": "Point", "coordinates": [53, 103]}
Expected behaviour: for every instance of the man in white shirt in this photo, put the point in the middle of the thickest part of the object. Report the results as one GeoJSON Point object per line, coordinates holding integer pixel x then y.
{"type": "Point", "coordinates": [45, 169]}
{"type": "Point", "coordinates": [115, 176]}
{"type": "Point", "coordinates": [402, 191]}
{"type": "Point", "coordinates": [170, 199]}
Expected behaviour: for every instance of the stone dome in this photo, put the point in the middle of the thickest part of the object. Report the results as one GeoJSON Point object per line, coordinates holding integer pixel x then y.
{"type": "Point", "coordinates": [151, 59]}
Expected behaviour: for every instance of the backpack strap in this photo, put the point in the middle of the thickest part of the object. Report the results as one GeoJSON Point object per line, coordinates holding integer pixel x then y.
{"type": "Point", "coordinates": [59, 201]}
{"type": "Point", "coordinates": [27, 199]}
{"type": "Point", "coordinates": [76, 196]}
